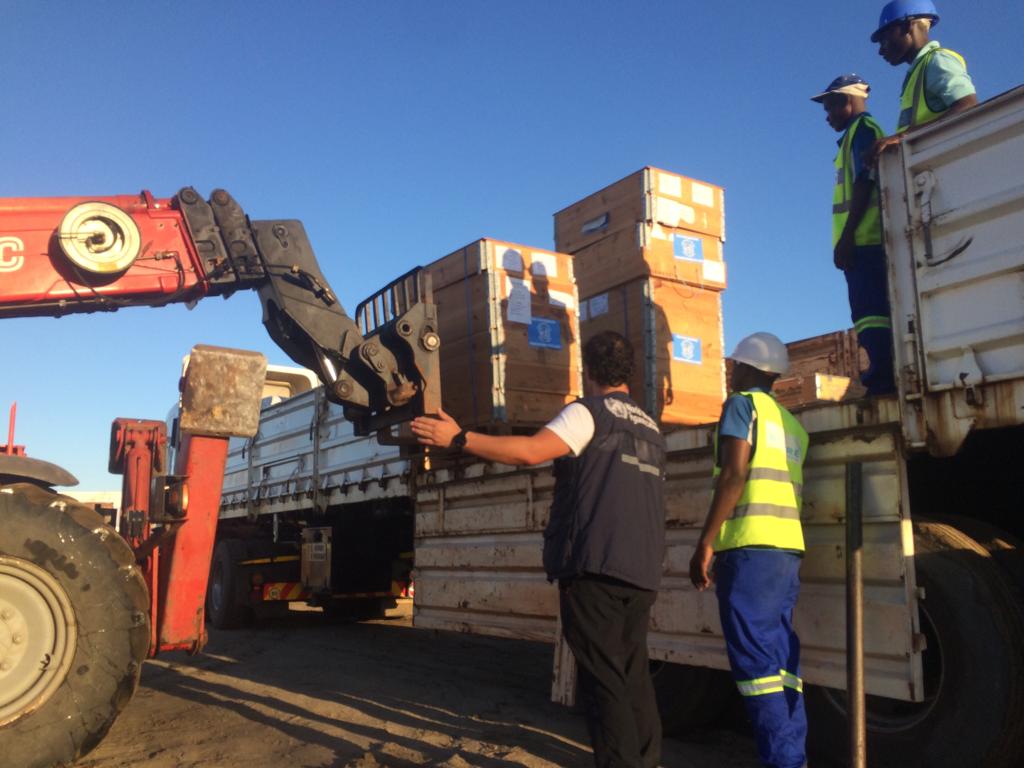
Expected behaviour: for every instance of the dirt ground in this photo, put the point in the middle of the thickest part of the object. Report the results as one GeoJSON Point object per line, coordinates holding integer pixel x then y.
{"type": "Point", "coordinates": [302, 692]}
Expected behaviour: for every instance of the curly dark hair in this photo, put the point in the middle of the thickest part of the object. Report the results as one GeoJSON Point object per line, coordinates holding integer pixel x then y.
{"type": "Point", "coordinates": [608, 359]}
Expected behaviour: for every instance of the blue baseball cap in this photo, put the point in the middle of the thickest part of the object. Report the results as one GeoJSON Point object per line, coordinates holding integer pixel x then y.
{"type": "Point", "coordinates": [851, 84]}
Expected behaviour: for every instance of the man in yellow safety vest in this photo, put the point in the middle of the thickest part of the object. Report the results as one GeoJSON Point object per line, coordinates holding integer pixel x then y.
{"type": "Point", "coordinates": [753, 531]}
{"type": "Point", "coordinates": [857, 226]}
{"type": "Point", "coordinates": [937, 84]}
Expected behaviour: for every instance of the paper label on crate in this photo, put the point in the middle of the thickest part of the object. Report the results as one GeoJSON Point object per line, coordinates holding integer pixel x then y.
{"type": "Point", "coordinates": [673, 214]}
{"type": "Point", "coordinates": [645, 233]}
{"type": "Point", "coordinates": [544, 333]}
{"type": "Point", "coordinates": [670, 185]}
{"type": "Point", "coordinates": [584, 311]}
{"type": "Point", "coordinates": [543, 264]}
{"type": "Point", "coordinates": [518, 301]}
{"type": "Point", "coordinates": [689, 248]}
{"type": "Point", "coordinates": [599, 305]}
{"type": "Point", "coordinates": [561, 299]}
{"type": "Point", "coordinates": [703, 194]}
{"type": "Point", "coordinates": [686, 349]}
{"type": "Point", "coordinates": [713, 271]}
{"type": "Point", "coordinates": [511, 260]}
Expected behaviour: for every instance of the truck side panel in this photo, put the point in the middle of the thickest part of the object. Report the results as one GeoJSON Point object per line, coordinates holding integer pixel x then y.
{"type": "Point", "coordinates": [479, 539]}
{"type": "Point", "coordinates": [953, 206]}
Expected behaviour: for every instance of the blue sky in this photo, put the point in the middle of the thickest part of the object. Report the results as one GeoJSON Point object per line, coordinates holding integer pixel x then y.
{"type": "Point", "coordinates": [400, 131]}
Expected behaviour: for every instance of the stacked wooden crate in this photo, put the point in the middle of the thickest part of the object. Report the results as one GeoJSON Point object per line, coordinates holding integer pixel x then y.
{"type": "Point", "coordinates": [649, 264]}
{"type": "Point", "coordinates": [510, 352]}
{"type": "Point", "coordinates": [821, 369]}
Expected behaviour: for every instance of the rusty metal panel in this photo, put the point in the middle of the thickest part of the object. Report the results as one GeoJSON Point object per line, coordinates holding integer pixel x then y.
{"type": "Point", "coordinates": [953, 207]}
{"type": "Point", "coordinates": [221, 390]}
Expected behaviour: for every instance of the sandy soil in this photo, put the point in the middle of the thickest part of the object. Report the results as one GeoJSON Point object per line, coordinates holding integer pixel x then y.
{"type": "Point", "coordinates": [302, 692]}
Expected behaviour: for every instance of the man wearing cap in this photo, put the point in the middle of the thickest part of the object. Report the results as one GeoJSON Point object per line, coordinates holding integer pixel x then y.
{"type": "Point", "coordinates": [937, 84]}
{"type": "Point", "coordinates": [857, 226]}
{"type": "Point", "coordinates": [753, 531]}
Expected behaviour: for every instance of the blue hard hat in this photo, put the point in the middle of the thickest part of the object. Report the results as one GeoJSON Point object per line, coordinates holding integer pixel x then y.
{"type": "Point", "coordinates": [899, 10]}
{"type": "Point", "coordinates": [852, 84]}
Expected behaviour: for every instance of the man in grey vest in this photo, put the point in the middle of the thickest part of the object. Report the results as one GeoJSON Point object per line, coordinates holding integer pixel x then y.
{"type": "Point", "coordinates": [604, 543]}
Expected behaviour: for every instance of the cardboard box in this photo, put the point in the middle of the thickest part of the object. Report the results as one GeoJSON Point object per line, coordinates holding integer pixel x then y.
{"type": "Point", "coordinates": [650, 250]}
{"type": "Point", "coordinates": [650, 195]}
{"type": "Point", "coordinates": [510, 346]}
{"type": "Point", "coordinates": [676, 332]}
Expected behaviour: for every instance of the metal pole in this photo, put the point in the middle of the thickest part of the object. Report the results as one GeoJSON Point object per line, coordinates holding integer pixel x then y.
{"type": "Point", "coordinates": [855, 615]}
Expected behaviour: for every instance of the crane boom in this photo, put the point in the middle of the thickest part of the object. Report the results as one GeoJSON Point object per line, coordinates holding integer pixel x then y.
{"type": "Point", "coordinates": [66, 255]}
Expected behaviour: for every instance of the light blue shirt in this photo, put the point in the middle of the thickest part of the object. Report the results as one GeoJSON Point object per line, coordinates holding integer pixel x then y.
{"type": "Point", "coordinates": [945, 80]}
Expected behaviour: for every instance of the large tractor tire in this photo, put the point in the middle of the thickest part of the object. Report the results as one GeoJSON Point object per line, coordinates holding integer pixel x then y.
{"type": "Point", "coordinates": [973, 712]}
{"type": "Point", "coordinates": [226, 603]}
{"type": "Point", "coordinates": [74, 627]}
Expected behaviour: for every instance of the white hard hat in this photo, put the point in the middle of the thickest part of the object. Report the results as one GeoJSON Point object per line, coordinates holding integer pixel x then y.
{"type": "Point", "coordinates": [763, 351]}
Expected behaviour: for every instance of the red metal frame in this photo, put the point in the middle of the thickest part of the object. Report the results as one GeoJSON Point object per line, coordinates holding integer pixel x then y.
{"type": "Point", "coordinates": [185, 563]}
{"type": "Point", "coordinates": [36, 273]}
{"type": "Point", "coordinates": [11, 449]}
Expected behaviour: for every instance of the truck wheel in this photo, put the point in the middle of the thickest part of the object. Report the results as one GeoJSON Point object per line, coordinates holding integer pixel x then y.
{"type": "Point", "coordinates": [973, 712]}
{"type": "Point", "coordinates": [74, 627]}
{"type": "Point", "coordinates": [690, 698]}
{"type": "Point", "coordinates": [225, 607]}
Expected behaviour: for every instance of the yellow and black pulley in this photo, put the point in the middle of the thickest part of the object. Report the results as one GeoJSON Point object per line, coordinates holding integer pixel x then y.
{"type": "Point", "coordinates": [99, 238]}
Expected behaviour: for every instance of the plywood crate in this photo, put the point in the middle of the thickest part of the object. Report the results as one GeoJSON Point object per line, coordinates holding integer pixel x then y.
{"type": "Point", "coordinates": [650, 250]}
{"type": "Point", "coordinates": [676, 332]}
{"type": "Point", "coordinates": [650, 195]}
{"type": "Point", "coordinates": [821, 369]}
{"type": "Point", "coordinates": [510, 347]}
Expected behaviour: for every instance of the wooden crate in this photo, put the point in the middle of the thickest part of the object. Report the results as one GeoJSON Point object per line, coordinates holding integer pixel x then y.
{"type": "Point", "coordinates": [676, 330]}
{"type": "Point", "coordinates": [650, 250]}
{"type": "Point", "coordinates": [510, 347]}
{"type": "Point", "coordinates": [821, 369]}
{"type": "Point", "coordinates": [650, 195]}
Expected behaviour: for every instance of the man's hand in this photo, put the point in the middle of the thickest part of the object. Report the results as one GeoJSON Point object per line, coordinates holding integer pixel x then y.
{"type": "Point", "coordinates": [876, 150]}
{"type": "Point", "coordinates": [700, 563]}
{"type": "Point", "coordinates": [436, 431]}
{"type": "Point", "coordinates": [842, 256]}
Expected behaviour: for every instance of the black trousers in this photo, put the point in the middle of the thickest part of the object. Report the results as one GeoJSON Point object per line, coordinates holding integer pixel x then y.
{"type": "Point", "coordinates": [605, 624]}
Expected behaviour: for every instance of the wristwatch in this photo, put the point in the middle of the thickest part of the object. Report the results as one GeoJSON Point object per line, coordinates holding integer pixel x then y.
{"type": "Point", "coordinates": [459, 441]}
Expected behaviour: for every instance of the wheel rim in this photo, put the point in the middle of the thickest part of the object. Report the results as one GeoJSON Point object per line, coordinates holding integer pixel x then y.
{"type": "Point", "coordinates": [38, 637]}
{"type": "Point", "coordinates": [891, 716]}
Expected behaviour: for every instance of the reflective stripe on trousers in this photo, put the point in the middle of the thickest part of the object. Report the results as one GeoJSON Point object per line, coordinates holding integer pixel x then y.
{"type": "Point", "coordinates": [757, 590]}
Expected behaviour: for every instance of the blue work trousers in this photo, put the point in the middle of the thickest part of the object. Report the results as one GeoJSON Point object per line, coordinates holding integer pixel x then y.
{"type": "Point", "coordinates": [757, 590]}
{"type": "Point", "coordinates": [867, 286]}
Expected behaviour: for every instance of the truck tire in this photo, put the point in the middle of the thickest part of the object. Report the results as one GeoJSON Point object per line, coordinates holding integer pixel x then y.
{"type": "Point", "coordinates": [225, 604]}
{"type": "Point", "coordinates": [973, 713]}
{"type": "Point", "coordinates": [690, 698]}
{"type": "Point", "coordinates": [74, 627]}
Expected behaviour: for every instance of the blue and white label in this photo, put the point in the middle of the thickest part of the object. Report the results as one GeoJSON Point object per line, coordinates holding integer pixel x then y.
{"type": "Point", "coordinates": [689, 248]}
{"type": "Point", "coordinates": [686, 349]}
{"type": "Point", "coordinates": [544, 333]}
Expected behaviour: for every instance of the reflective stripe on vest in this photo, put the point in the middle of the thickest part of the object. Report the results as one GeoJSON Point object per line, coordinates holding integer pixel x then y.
{"type": "Point", "coordinates": [768, 511]}
{"type": "Point", "coordinates": [869, 230]}
{"type": "Point", "coordinates": [914, 109]}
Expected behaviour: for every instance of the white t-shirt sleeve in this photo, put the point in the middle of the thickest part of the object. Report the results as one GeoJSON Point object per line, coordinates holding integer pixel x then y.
{"type": "Point", "coordinates": [575, 426]}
